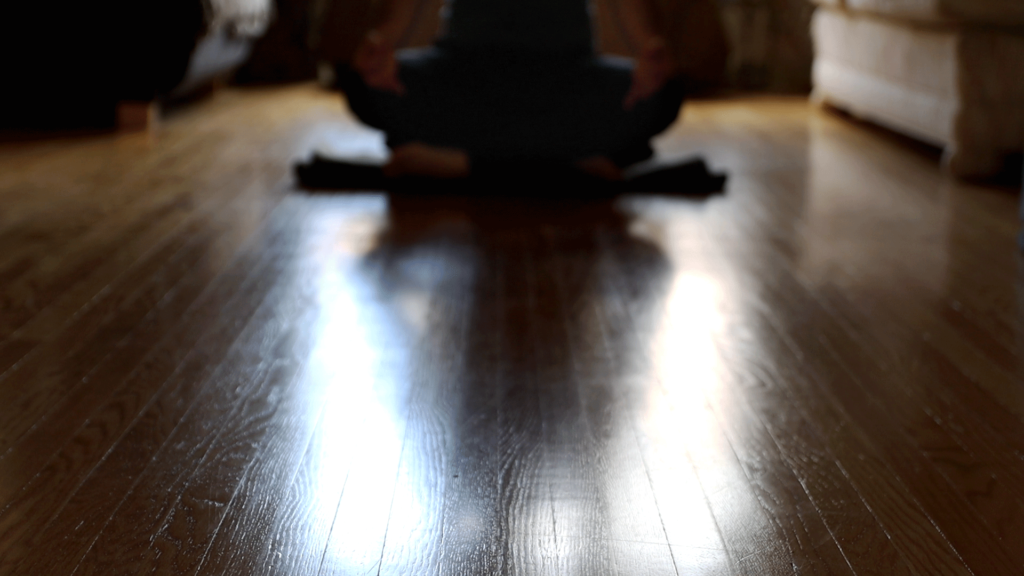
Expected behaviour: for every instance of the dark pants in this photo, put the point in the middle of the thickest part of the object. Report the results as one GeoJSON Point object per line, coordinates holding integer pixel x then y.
{"type": "Point", "coordinates": [513, 105]}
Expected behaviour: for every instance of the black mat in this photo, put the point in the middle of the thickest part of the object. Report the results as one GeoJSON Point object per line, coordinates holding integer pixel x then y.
{"type": "Point", "coordinates": [536, 179]}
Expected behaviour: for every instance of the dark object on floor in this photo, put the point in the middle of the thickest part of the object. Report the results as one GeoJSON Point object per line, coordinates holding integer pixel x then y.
{"type": "Point", "coordinates": [325, 174]}
{"type": "Point", "coordinates": [686, 178]}
{"type": "Point", "coordinates": [690, 178]}
{"type": "Point", "coordinates": [1020, 238]}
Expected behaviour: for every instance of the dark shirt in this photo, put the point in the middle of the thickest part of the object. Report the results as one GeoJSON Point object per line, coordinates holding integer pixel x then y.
{"type": "Point", "coordinates": [542, 25]}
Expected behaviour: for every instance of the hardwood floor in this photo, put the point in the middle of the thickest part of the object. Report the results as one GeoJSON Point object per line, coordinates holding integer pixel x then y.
{"type": "Point", "coordinates": [204, 371]}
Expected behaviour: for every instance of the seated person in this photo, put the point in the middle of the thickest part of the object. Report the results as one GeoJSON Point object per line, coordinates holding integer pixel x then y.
{"type": "Point", "coordinates": [513, 83]}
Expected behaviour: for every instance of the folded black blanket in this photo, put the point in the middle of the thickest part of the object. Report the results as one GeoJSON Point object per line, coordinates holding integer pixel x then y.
{"type": "Point", "coordinates": [520, 178]}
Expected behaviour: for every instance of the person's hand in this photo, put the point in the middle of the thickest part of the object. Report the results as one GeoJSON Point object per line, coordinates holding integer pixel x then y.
{"type": "Point", "coordinates": [654, 67]}
{"type": "Point", "coordinates": [375, 62]}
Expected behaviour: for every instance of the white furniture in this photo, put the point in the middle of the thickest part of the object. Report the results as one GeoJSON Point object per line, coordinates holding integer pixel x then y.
{"type": "Point", "coordinates": [949, 72]}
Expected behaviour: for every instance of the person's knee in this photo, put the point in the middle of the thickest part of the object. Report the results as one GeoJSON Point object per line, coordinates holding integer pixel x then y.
{"type": "Point", "coordinates": [658, 112]}
{"type": "Point", "coordinates": [615, 72]}
{"type": "Point", "coordinates": [670, 101]}
{"type": "Point", "coordinates": [362, 101]}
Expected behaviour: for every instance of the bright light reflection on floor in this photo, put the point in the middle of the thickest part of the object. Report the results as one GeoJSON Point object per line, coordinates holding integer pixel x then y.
{"type": "Point", "coordinates": [686, 357]}
{"type": "Point", "coordinates": [682, 430]}
{"type": "Point", "coordinates": [359, 343]}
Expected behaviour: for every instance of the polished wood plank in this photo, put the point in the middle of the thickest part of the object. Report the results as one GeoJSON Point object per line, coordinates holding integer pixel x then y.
{"type": "Point", "coordinates": [614, 516]}
{"type": "Point", "coordinates": [920, 481]}
{"type": "Point", "coordinates": [837, 431]}
{"type": "Point", "coordinates": [132, 430]}
{"type": "Point", "coordinates": [203, 371]}
{"type": "Point", "coordinates": [304, 463]}
{"type": "Point", "coordinates": [136, 322]}
{"type": "Point", "coordinates": [947, 449]}
{"type": "Point", "coordinates": [414, 542]}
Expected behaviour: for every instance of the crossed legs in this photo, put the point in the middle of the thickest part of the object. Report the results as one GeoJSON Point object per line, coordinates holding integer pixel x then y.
{"type": "Point", "coordinates": [460, 109]}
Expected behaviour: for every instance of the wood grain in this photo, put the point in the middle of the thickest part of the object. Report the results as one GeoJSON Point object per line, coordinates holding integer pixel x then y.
{"type": "Point", "coordinates": [203, 371]}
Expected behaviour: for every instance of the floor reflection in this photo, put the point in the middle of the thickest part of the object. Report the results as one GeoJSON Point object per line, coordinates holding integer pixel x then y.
{"type": "Point", "coordinates": [818, 373]}
{"type": "Point", "coordinates": [525, 376]}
